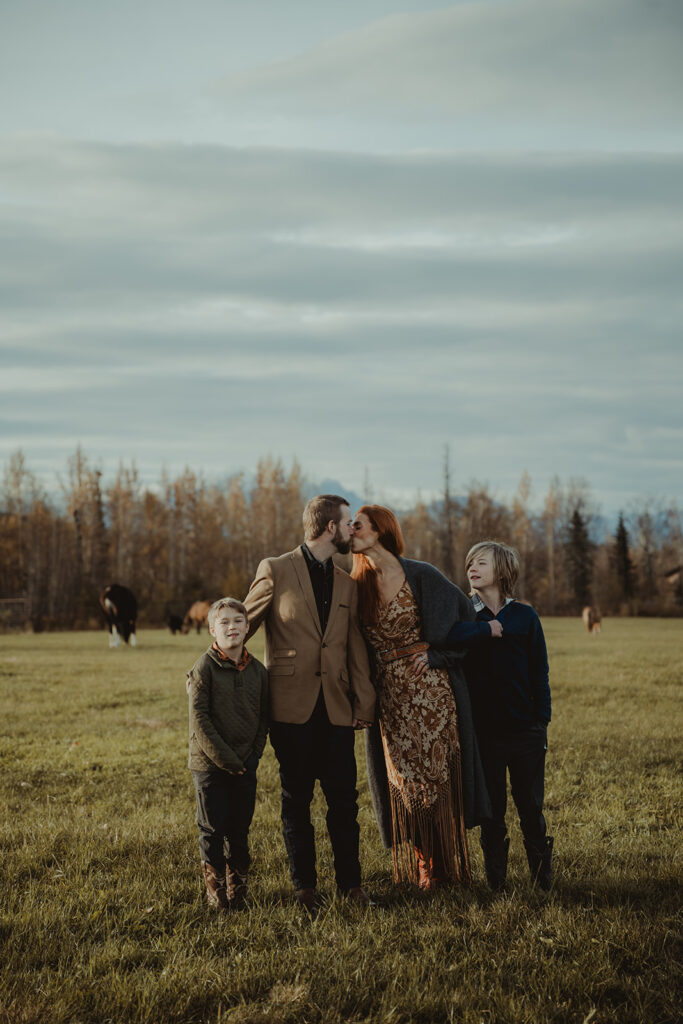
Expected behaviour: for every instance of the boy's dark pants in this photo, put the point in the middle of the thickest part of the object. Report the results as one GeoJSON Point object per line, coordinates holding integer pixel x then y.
{"type": "Point", "coordinates": [318, 750]}
{"type": "Point", "coordinates": [225, 807]}
{"type": "Point", "coordinates": [522, 755]}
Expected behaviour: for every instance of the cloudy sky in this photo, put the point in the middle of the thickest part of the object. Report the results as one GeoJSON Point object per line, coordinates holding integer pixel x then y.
{"type": "Point", "coordinates": [350, 233]}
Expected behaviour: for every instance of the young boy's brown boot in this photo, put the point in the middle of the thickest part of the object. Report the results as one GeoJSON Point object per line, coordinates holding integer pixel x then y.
{"type": "Point", "coordinates": [216, 889]}
{"type": "Point", "coordinates": [236, 883]}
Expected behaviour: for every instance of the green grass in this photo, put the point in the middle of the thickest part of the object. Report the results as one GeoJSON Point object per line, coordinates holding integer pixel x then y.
{"type": "Point", "coordinates": [103, 918]}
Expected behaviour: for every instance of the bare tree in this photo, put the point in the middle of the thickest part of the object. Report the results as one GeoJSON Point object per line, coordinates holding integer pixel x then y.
{"type": "Point", "coordinates": [522, 529]}
{"type": "Point", "coordinates": [188, 540]}
{"type": "Point", "coordinates": [421, 533]}
{"type": "Point", "coordinates": [448, 553]}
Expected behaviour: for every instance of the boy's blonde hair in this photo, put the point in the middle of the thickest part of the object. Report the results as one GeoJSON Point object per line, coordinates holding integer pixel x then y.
{"type": "Point", "coordinates": [505, 564]}
{"type": "Point", "coordinates": [225, 602]}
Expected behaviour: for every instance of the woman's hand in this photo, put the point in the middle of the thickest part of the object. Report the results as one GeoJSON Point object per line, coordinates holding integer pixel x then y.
{"type": "Point", "coordinates": [420, 663]}
{"type": "Point", "coordinates": [496, 628]}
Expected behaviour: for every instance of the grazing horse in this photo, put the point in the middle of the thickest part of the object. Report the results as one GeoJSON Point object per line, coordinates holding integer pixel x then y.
{"type": "Point", "coordinates": [121, 609]}
{"type": "Point", "coordinates": [591, 618]}
{"type": "Point", "coordinates": [197, 616]}
{"type": "Point", "coordinates": [174, 623]}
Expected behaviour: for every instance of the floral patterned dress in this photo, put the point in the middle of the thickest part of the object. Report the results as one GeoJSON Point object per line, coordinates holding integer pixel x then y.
{"type": "Point", "coordinates": [419, 726]}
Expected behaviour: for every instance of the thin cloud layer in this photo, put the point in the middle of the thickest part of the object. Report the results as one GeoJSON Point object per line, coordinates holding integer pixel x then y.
{"type": "Point", "coordinates": [590, 69]}
{"type": "Point", "coordinates": [430, 242]}
{"type": "Point", "coordinates": [503, 304]}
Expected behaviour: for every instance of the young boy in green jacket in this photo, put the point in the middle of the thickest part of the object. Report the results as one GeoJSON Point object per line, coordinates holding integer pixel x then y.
{"type": "Point", "coordinates": [228, 691]}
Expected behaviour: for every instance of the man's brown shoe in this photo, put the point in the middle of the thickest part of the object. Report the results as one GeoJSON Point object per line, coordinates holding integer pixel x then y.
{"type": "Point", "coordinates": [308, 899]}
{"type": "Point", "coordinates": [356, 894]}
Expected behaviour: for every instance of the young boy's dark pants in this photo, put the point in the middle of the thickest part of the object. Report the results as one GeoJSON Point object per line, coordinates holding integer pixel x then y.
{"type": "Point", "coordinates": [522, 755]}
{"type": "Point", "coordinates": [225, 807]}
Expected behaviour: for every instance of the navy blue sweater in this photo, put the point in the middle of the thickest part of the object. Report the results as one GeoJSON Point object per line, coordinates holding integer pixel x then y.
{"type": "Point", "coordinates": [507, 676]}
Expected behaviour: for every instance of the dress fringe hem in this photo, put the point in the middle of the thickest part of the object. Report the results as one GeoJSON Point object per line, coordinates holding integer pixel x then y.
{"type": "Point", "coordinates": [438, 831]}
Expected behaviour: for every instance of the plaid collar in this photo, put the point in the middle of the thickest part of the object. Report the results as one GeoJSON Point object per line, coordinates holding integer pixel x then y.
{"type": "Point", "coordinates": [479, 604]}
{"type": "Point", "coordinates": [239, 665]}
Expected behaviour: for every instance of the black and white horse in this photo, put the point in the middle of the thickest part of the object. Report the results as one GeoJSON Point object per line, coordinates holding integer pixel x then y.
{"type": "Point", "coordinates": [121, 609]}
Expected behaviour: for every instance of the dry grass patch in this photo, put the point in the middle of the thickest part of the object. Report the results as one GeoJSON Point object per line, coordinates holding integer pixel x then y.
{"type": "Point", "coordinates": [103, 919]}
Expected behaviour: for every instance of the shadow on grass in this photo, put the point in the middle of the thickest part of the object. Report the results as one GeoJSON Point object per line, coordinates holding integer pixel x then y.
{"type": "Point", "coordinates": [660, 894]}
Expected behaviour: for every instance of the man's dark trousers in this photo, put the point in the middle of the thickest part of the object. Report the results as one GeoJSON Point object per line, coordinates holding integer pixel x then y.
{"type": "Point", "coordinates": [318, 750]}
{"type": "Point", "coordinates": [225, 807]}
{"type": "Point", "coordinates": [523, 756]}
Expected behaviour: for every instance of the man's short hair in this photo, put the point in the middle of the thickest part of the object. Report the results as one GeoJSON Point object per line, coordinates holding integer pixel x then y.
{"type": "Point", "coordinates": [226, 602]}
{"type": "Point", "coordinates": [505, 564]}
{"type": "Point", "coordinates": [318, 513]}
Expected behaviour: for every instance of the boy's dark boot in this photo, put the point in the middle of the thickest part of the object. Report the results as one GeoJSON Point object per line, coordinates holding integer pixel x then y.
{"type": "Point", "coordinates": [540, 859]}
{"type": "Point", "coordinates": [496, 863]}
{"type": "Point", "coordinates": [236, 884]}
{"type": "Point", "coordinates": [216, 889]}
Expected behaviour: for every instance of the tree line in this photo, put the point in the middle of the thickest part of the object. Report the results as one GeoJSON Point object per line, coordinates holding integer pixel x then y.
{"type": "Point", "coordinates": [189, 539]}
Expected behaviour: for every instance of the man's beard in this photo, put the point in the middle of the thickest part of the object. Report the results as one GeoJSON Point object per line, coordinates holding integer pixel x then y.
{"type": "Point", "coordinates": [342, 546]}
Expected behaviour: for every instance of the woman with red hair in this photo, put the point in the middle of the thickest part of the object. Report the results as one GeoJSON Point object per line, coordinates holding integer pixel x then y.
{"type": "Point", "coordinates": [424, 770]}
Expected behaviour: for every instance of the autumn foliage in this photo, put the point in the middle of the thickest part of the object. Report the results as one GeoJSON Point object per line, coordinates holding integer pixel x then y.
{"type": "Point", "coordinates": [187, 539]}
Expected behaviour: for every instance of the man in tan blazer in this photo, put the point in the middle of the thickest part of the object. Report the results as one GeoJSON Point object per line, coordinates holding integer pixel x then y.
{"type": "Point", "coordinates": [320, 691]}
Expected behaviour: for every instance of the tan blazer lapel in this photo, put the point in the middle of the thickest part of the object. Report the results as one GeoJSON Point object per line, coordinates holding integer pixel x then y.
{"type": "Point", "coordinates": [303, 575]}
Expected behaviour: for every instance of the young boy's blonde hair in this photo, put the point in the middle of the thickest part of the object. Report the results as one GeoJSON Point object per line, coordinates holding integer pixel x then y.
{"type": "Point", "coordinates": [505, 564]}
{"type": "Point", "coordinates": [225, 602]}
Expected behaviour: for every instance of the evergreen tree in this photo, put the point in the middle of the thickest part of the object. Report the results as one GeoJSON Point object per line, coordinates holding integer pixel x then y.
{"type": "Point", "coordinates": [579, 559]}
{"type": "Point", "coordinates": [623, 562]}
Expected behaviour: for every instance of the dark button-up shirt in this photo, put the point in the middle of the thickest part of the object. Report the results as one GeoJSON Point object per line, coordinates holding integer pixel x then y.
{"type": "Point", "coordinates": [322, 580]}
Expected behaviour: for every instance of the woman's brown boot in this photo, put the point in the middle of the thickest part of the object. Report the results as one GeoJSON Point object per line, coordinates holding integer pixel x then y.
{"type": "Point", "coordinates": [430, 876]}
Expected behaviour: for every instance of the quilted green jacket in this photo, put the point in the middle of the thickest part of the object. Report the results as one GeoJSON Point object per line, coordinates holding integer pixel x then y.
{"type": "Point", "coordinates": [228, 713]}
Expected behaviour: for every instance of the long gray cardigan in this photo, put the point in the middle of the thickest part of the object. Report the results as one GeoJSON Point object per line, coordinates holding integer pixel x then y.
{"type": "Point", "coordinates": [441, 605]}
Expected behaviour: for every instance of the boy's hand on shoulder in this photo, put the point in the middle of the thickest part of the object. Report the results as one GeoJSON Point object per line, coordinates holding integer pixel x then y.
{"type": "Point", "coordinates": [496, 628]}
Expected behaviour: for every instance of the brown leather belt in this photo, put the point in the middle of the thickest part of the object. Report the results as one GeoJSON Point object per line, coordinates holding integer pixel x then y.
{"type": "Point", "coordinates": [403, 652]}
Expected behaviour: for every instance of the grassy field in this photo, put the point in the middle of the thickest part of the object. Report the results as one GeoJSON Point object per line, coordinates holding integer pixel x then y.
{"type": "Point", "coordinates": [103, 918]}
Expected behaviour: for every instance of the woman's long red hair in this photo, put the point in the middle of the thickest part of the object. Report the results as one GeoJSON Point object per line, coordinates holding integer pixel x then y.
{"type": "Point", "coordinates": [385, 523]}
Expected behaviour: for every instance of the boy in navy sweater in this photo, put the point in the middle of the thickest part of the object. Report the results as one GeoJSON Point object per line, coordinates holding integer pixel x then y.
{"type": "Point", "coordinates": [507, 673]}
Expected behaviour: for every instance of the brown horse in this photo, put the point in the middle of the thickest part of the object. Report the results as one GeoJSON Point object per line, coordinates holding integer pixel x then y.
{"type": "Point", "coordinates": [591, 618]}
{"type": "Point", "coordinates": [197, 616]}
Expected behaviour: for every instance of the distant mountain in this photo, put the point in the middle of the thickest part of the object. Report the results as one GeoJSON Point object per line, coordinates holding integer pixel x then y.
{"type": "Point", "coordinates": [329, 486]}
{"type": "Point", "coordinates": [311, 488]}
